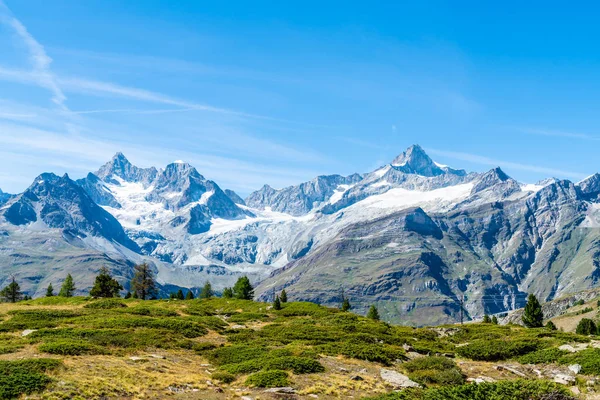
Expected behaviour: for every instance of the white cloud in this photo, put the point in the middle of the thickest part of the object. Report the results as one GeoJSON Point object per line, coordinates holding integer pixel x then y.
{"type": "Point", "coordinates": [39, 60]}
{"type": "Point", "coordinates": [483, 160]}
{"type": "Point", "coordinates": [564, 134]}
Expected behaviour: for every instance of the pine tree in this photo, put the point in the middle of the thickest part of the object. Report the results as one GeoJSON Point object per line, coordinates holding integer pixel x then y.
{"type": "Point", "coordinates": [373, 313]}
{"type": "Point", "coordinates": [50, 291]}
{"type": "Point", "coordinates": [189, 295]}
{"type": "Point", "coordinates": [228, 293]}
{"type": "Point", "coordinates": [586, 327]}
{"type": "Point", "coordinates": [486, 319]}
{"type": "Point", "coordinates": [207, 292]}
{"type": "Point", "coordinates": [128, 295]}
{"type": "Point", "coordinates": [533, 316]}
{"type": "Point", "coordinates": [143, 283]}
{"type": "Point", "coordinates": [242, 289]}
{"type": "Point", "coordinates": [134, 295]}
{"type": "Point", "coordinates": [68, 287]}
{"type": "Point", "coordinates": [172, 295]}
{"type": "Point", "coordinates": [283, 296]}
{"type": "Point", "coordinates": [494, 320]}
{"type": "Point", "coordinates": [346, 305]}
{"type": "Point", "coordinates": [12, 293]}
{"type": "Point", "coordinates": [277, 303]}
{"type": "Point", "coordinates": [550, 325]}
{"type": "Point", "coordinates": [180, 295]}
{"type": "Point", "coordinates": [105, 285]}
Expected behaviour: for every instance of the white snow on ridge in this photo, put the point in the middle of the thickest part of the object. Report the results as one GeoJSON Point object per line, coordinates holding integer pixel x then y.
{"type": "Point", "coordinates": [382, 171]}
{"type": "Point", "coordinates": [531, 187]}
{"type": "Point", "coordinates": [399, 198]}
{"type": "Point", "coordinates": [440, 165]}
{"type": "Point", "coordinates": [338, 193]}
{"type": "Point", "coordinates": [205, 196]}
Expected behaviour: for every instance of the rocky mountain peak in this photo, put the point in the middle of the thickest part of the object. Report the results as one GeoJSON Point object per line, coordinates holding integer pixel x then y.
{"type": "Point", "coordinates": [590, 186]}
{"type": "Point", "coordinates": [180, 170]}
{"type": "Point", "coordinates": [120, 166]}
{"type": "Point", "coordinates": [416, 161]}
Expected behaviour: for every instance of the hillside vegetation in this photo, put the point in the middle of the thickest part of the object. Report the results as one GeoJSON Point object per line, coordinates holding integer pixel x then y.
{"type": "Point", "coordinates": [82, 348]}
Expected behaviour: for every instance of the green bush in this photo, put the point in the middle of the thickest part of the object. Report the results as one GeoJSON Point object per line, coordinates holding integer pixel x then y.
{"type": "Point", "coordinates": [589, 360]}
{"type": "Point", "coordinates": [496, 350]}
{"type": "Point", "coordinates": [435, 363]}
{"type": "Point", "coordinates": [586, 327]}
{"type": "Point", "coordinates": [545, 356]}
{"type": "Point", "coordinates": [298, 365]}
{"type": "Point", "coordinates": [106, 304]}
{"type": "Point", "coordinates": [223, 376]}
{"type": "Point", "coordinates": [24, 376]}
{"type": "Point", "coordinates": [245, 317]}
{"type": "Point", "coordinates": [71, 348]}
{"type": "Point", "coordinates": [268, 379]}
{"type": "Point", "coordinates": [35, 319]}
{"type": "Point", "coordinates": [502, 390]}
{"type": "Point", "coordinates": [363, 351]}
{"type": "Point", "coordinates": [203, 346]}
{"type": "Point", "coordinates": [236, 354]}
{"type": "Point", "coordinates": [436, 377]}
{"type": "Point", "coordinates": [151, 311]}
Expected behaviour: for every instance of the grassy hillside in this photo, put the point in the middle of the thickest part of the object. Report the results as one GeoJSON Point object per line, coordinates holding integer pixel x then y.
{"type": "Point", "coordinates": [80, 348]}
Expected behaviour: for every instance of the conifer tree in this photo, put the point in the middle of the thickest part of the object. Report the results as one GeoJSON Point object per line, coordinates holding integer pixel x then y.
{"type": "Point", "coordinates": [486, 319]}
{"type": "Point", "coordinates": [586, 327]}
{"type": "Point", "coordinates": [533, 316]}
{"type": "Point", "coordinates": [68, 287]}
{"type": "Point", "coordinates": [373, 313]}
{"type": "Point", "coordinates": [242, 289]}
{"type": "Point", "coordinates": [207, 292]}
{"type": "Point", "coordinates": [49, 291]}
{"type": "Point", "coordinates": [180, 295]}
{"type": "Point", "coordinates": [550, 325]}
{"type": "Point", "coordinates": [105, 285]}
{"type": "Point", "coordinates": [228, 293]}
{"type": "Point", "coordinates": [277, 303]}
{"type": "Point", "coordinates": [128, 295]}
{"type": "Point", "coordinates": [346, 305]}
{"type": "Point", "coordinates": [134, 295]}
{"type": "Point", "coordinates": [12, 293]}
{"type": "Point", "coordinates": [143, 283]}
{"type": "Point", "coordinates": [189, 295]}
{"type": "Point", "coordinates": [283, 296]}
{"type": "Point", "coordinates": [494, 320]}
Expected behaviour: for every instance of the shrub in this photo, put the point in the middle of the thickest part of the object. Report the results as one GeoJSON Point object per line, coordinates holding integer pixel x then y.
{"type": "Point", "coordinates": [496, 350]}
{"type": "Point", "coordinates": [24, 376]}
{"type": "Point", "coordinates": [589, 360]}
{"type": "Point", "coordinates": [298, 365]}
{"type": "Point", "coordinates": [435, 363]}
{"type": "Point", "coordinates": [71, 348]}
{"type": "Point", "coordinates": [150, 311]}
{"type": "Point", "coordinates": [363, 351]}
{"type": "Point", "coordinates": [203, 346]}
{"type": "Point", "coordinates": [586, 327]}
{"type": "Point", "coordinates": [436, 377]}
{"type": "Point", "coordinates": [223, 376]}
{"type": "Point", "coordinates": [545, 356]}
{"type": "Point", "coordinates": [268, 379]}
{"type": "Point", "coordinates": [106, 304]}
{"type": "Point", "coordinates": [515, 390]}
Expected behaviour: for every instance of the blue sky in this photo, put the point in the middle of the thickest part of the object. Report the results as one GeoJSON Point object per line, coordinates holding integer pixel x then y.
{"type": "Point", "coordinates": [259, 92]}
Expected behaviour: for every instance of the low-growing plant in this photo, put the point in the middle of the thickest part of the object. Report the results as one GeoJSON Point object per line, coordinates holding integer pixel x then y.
{"type": "Point", "coordinates": [363, 351]}
{"type": "Point", "coordinates": [589, 359]}
{"type": "Point", "coordinates": [510, 389]}
{"type": "Point", "coordinates": [544, 356]}
{"type": "Point", "coordinates": [223, 376]}
{"type": "Point", "coordinates": [496, 350]}
{"type": "Point", "coordinates": [268, 379]}
{"type": "Point", "coordinates": [106, 304]}
{"type": "Point", "coordinates": [71, 348]}
{"type": "Point", "coordinates": [25, 376]}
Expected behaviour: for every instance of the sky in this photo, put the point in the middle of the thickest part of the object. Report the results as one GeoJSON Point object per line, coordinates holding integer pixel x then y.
{"type": "Point", "coordinates": [255, 93]}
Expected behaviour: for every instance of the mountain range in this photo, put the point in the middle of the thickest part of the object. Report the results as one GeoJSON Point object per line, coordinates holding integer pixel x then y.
{"type": "Point", "coordinates": [415, 237]}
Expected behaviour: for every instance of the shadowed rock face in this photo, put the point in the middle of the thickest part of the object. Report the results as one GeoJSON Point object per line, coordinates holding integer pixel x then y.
{"type": "Point", "coordinates": [4, 197]}
{"type": "Point", "coordinates": [120, 166]}
{"type": "Point", "coordinates": [234, 197]}
{"type": "Point", "coordinates": [60, 203]}
{"type": "Point", "coordinates": [300, 199]}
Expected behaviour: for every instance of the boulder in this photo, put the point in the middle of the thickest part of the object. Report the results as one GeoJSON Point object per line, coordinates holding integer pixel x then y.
{"type": "Point", "coordinates": [396, 379]}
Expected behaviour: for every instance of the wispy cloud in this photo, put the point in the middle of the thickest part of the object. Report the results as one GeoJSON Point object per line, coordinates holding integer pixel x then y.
{"type": "Point", "coordinates": [40, 61]}
{"type": "Point", "coordinates": [483, 160]}
{"type": "Point", "coordinates": [563, 134]}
